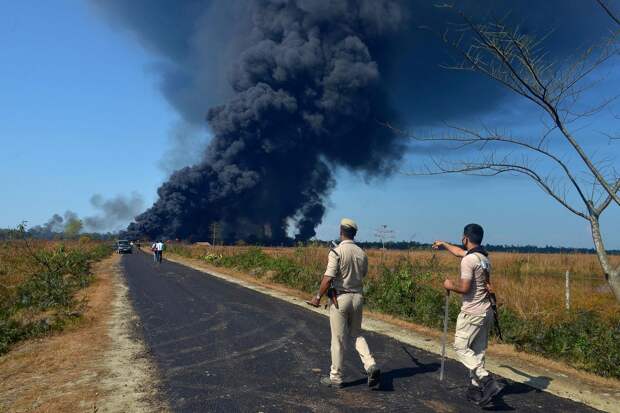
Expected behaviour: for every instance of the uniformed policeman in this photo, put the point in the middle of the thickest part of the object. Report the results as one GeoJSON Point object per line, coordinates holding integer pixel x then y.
{"type": "Point", "coordinates": [346, 268]}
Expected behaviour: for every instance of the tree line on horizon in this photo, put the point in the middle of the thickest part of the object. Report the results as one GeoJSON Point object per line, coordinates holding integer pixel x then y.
{"type": "Point", "coordinates": [38, 232]}
{"type": "Point", "coordinates": [533, 249]}
{"type": "Point", "coordinates": [69, 233]}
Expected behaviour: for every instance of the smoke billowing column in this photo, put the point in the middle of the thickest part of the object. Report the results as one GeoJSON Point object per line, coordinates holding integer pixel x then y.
{"type": "Point", "coordinates": [307, 98]}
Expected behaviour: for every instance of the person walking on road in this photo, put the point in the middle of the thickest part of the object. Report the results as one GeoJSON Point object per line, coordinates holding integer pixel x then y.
{"type": "Point", "coordinates": [160, 247]}
{"type": "Point", "coordinates": [346, 268]}
{"type": "Point", "coordinates": [154, 250]}
{"type": "Point", "coordinates": [476, 317]}
{"type": "Point", "coordinates": [158, 251]}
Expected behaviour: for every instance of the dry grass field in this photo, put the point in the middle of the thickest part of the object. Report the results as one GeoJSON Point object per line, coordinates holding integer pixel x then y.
{"type": "Point", "coordinates": [533, 285]}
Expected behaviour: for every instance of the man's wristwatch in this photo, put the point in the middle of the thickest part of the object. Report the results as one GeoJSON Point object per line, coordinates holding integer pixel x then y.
{"type": "Point", "coordinates": [318, 297]}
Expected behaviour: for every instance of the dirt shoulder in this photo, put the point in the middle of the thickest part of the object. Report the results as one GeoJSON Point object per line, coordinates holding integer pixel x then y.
{"type": "Point", "coordinates": [541, 373]}
{"type": "Point", "coordinates": [97, 365]}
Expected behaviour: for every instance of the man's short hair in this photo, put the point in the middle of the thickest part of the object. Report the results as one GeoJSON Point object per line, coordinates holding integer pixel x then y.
{"type": "Point", "coordinates": [348, 231]}
{"type": "Point", "coordinates": [474, 233]}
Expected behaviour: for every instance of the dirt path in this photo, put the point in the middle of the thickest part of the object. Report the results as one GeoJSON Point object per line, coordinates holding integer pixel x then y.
{"type": "Point", "coordinates": [95, 366]}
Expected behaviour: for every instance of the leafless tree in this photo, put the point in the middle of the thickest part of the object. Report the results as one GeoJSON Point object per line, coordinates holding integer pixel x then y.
{"type": "Point", "coordinates": [583, 183]}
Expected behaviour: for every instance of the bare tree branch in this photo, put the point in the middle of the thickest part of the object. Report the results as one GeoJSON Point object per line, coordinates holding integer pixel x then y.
{"type": "Point", "coordinates": [473, 138]}
{"type": "Point", "coordinates": [497, 168]}
{"type": "Point", "coordinates": [608, 11]}
{"type": "Point", "coordinates": [598, 210]}
{"type": "Point", "coordinates": [511, 59]}
{"type": "Point", "coordinates": [520, 63]}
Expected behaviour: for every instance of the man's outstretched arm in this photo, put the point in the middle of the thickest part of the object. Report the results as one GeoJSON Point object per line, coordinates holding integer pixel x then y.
{"type": "Point", "coordinates": [453, 249]}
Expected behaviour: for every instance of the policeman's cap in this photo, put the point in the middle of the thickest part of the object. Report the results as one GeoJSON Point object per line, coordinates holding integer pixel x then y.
{"type": "Point", "coordinates": [348, 223]}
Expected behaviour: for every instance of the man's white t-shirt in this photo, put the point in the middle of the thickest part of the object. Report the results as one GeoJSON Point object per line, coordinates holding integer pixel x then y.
{"type": "Point", "coordinates": [475, 301]}
{"type": "Point", "coordinates": [159, 246]}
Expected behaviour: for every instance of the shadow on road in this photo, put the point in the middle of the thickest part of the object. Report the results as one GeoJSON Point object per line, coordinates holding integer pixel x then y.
{"type": "Point", "coordinates": [388, 377]}
{"type": "Point", "coordinates": [538, 382]}
{"type": "Point", "coordinates": [541, 382]}
{"type": "Point", "coordinates": [387, 380]}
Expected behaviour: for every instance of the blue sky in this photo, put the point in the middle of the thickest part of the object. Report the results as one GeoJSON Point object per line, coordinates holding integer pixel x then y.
{"type": "Point", "coordinates": [81, 114]}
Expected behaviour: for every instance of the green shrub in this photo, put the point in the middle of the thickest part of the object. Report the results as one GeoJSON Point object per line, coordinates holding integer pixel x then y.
{"type": "Point", "coordinates": [252, 259]}
{"type": "Point", "coordinates": [212, 258]}
{"type": "Point", "coordinates": [10, 332]}
{"type": "Point", "coordinates": [398, 291]}
{"type": "Point", "coordinates": [63, 272]}
{"type": "Point", "coordinates": [583, 339]}
{"type": "Point", "coordinates": [57, 274]}
{"type": "Point", "coordinates": [290, 273]}
{"type": "Point", "coordinates": [285, 270]}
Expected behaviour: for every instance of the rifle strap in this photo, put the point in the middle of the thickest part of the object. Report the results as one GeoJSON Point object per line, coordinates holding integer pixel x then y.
{"type": "Point", "coordinates": [485, 269]}
{"type": "Point", "coordinates": [337, 259]}
{"type": "Point", "coordinates": [490, 296]}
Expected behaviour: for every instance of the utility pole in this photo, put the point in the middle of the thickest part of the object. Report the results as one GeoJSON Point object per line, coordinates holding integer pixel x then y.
{"type": "Point", "coordinates": [384, 233]}
{"type": "Point", "coordinates": [215, 232]}
{"type": "Point", "coordinates": [567, 290]}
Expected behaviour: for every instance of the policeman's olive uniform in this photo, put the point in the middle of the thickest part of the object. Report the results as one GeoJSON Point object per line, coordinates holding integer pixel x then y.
{"type": "Point", "coordinates": [347, 266]}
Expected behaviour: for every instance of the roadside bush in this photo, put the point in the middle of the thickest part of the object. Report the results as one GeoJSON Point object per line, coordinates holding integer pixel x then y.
{"type": "Point", "coordinates": [42, 280]}
{"type": "Point", "coordinates": [255, 261]}
{"type": "Point", "coordinates": [583, 339]}
{"type": "Point", "coordinates": [252, 259]}
{"type": "Point", "coordinates": [289, 273]}
{"type": "Point", "coordinates": [212, 258]}
{"type": "Point", "coordinates": [404, 292]}
{"type": "Point", "coordinates": [10, 332]}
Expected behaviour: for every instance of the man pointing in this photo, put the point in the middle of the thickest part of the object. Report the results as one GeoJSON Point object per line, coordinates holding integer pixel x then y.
{"type": "Point", "coordinates": [476, 317]}
{"type": "Point", "coordinates": [346, 268]}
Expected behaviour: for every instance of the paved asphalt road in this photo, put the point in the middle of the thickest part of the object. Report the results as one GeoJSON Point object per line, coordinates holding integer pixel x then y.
{"type": "Point", "coordinates": [221, 347]}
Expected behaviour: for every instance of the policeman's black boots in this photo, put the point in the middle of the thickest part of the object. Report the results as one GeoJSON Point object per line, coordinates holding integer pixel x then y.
{"type": "Point", "coordinates": [474, 394]}
{"type": "Point", "coordinates": [482, 396]}
{"type": "Point", "coordinates": [374, 376]}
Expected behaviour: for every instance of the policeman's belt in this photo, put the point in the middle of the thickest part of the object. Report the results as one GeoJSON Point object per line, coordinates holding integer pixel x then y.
{"type": "Point", "coordinates": [347, 292]}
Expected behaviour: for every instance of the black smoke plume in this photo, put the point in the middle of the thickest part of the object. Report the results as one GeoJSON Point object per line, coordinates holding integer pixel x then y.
{"type": "Point", "coordinates": [307, 98]}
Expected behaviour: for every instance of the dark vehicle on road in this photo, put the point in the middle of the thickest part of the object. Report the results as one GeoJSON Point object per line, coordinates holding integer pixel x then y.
{"type": "Point", "coordinates": [124, 247]}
